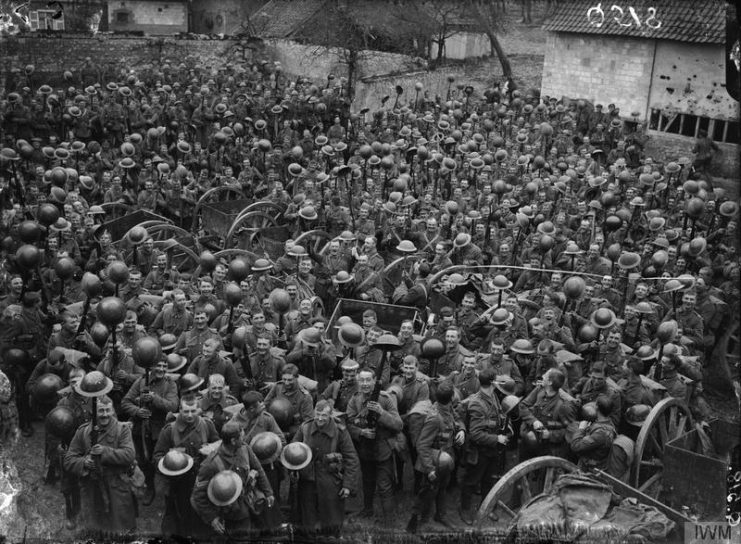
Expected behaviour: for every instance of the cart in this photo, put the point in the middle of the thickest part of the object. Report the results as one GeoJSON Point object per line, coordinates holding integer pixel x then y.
{"type": "Point", "coordinates": [390, 317]}
{"type": "Point", "coordinates": [223, 220]}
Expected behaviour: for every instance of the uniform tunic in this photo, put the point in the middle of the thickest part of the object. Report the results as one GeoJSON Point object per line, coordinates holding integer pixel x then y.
{"type": "Point", "coordinates": [107, 501]}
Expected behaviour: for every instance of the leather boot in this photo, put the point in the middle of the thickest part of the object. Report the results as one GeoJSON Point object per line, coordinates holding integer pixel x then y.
{"type": "Point", "coordinates": [413, 524]}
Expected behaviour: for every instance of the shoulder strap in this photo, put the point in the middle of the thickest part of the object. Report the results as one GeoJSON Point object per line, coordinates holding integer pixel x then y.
{"type": "Point", "coordinates": [175, 435]}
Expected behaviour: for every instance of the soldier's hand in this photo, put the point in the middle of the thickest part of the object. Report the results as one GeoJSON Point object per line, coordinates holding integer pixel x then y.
{"type": "Point", "coordinates": [503, 439]}
{"type": "Point", "coordinates": [146, 398]}
{"type": "Point", "coordinates": [270, 500]}
{"type": "Point", "coordinates": [546, 434]}
{"type": "Point", "coordinates": [583, 425]}
{"type": "Point", "coordinates": [432, 476]}
{"type": "Point", "coordinates": [344, 493]}
{"type": "Point", "coordinates": [218, 526]}
{"type": "Point", "coordinates": [460, 438]}
{"type": "Point", "coordinates": [88, 463]}
{"type": "Point", "coordinates": [143, 413]}
{"type": "Point", "coordinates": [120, 375]}
{"type": "Point", "coordinates": [368, 433]}
{"type": "Point", "coordinates": [97, 449]}
{"type": "Point", "coordinates": [537, 425]}
{"type": "Point", "coordinates": [374, 407]}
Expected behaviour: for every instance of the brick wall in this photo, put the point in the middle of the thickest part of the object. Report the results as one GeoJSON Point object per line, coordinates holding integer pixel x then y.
{"type": "Point", "coordinates": [169, 17]}
{"type": "Point", "coordinates": [700, 66]}
{"type": "Point", "coordinates": [669, 147]}
{"type": "Point", "coordinates": [602, 69]}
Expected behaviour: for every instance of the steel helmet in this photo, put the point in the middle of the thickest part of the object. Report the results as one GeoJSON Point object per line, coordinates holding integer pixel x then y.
{"type": "Point", "coordinates": [636, 415]}
{"type": "Point", "coordinates": [282, 410]}
{"type": "Point", "coordinates": [224, 488]}
{"type": "Point", "coordinates": [60, 422]}
{"type": "Point", "coordinates": [175, 463]}
{"type": "Point", "coordinates": [267, 447]}
{"type": "Point", "coordinates": [296, 456]}
{"type": "Point", "coordinates": [94, 384]}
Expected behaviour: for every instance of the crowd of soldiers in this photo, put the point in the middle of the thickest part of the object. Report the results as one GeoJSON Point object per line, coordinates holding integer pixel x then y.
{"type": "Point", "coordinates": [560, 283]}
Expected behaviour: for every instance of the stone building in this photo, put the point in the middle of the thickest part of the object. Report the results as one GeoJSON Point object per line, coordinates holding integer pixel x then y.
{"type": "Point", "coordinates": [661, 62]}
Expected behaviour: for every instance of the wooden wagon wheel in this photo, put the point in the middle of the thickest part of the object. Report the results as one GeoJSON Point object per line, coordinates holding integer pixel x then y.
{"type": "Point", "coordinates": [251, 220]}
{"type": "Point", "coordinates": [669, 419]}
{"type": "Point", "coordinates": [318, 239]}
{"type": "Point", "coordinates": [520, 484]}
{"type": "Point", "coordinates": [206, 197]}
{"type": "Point", "coordinates": [270, 208]}
{"type": "Point", "coordinates": [180, 256]}
{"type": "Point", "coordinates": [232, 253]}
{"type": "Point", "coordinates": [116, 209]}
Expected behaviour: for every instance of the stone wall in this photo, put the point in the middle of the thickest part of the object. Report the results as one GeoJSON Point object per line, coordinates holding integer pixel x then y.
{"type": "Point", "coordinates": [602, 69]}
{"type": "Point", "coordinates": [669, 147]}
{"type": "Point", "coordinates": [52, 54]}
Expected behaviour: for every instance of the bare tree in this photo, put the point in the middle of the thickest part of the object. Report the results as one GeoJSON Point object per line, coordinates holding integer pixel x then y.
{"type": "Point", "coordinates": [490, 17]}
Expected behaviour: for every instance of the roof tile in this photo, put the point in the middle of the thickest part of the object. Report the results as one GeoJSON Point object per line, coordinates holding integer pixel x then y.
{"type": "Point", "coordinates": [694, 21]}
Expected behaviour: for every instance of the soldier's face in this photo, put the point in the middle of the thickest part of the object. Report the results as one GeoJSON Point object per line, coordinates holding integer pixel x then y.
{"type": "Point", "coordinates": [200, 319]}
{"type": "Point", "coordinates": [289, 382]}
{"type": "Point", "coordinates": [104, 414]}
{"type": "Point", "coordinates": [405, 331]}
{"type": "Point", "coordinates": [188, 411]}
{"type": "Point", "coordinates": [216, 390]}
{"type": "Point", "coordinates": [451, 339]}
{"type": "Point", "coordinates": [409, 370]}
{"type": "Point", "coordinates": [366, 382]}
{"type": "Point", "coordinates": [688, 301]}
{"type": "Point", "coordinates": [209, 348]}
{"type": "Point", "coordinates": [613, 340]}
{"type": "Point", "coordinates": [322, 417]}
{"type": "Point", "coordinates": [263, 345]}
{"type": "Point", "coordinates": [258, 320]}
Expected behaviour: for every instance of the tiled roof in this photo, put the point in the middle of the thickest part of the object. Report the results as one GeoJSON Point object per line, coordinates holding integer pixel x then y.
{"type": "Point", "coordinates": [281, 18]}
{"type": "Point", "coordinates": [693, 21]}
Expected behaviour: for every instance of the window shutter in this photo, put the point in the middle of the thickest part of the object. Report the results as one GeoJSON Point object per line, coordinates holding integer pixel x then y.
{"type": "Point", "coordinates": [58, 24]}
{"type": "Point", "coordinates": [33, 17]}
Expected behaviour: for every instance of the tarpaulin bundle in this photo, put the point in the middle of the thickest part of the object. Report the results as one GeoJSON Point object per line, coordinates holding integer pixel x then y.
{"type": "Point", "coordinates": [579, 508]}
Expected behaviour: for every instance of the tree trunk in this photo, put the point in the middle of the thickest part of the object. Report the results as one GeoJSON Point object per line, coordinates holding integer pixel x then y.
{"type": "Point", "coordinates": [496, 48]}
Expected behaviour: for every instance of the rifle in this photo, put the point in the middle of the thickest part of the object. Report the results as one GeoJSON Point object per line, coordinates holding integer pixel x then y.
{"type": "Point", "coordinates": [386, 343]}
{"type": "Point", "coordinates": [102, 487]}
{"type": "Point", "coordinates": [146, 430]}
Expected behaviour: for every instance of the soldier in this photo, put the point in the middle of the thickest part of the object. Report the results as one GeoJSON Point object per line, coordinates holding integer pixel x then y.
{"type": "Point", "coordinates": [339, 392]}
{"type": "Point", "coordinates": [414, 389]}
{"type": "Point", "coordinates": [174, 318]}
{"type": "Point", "coordinates": [371, 434]}
{"type": "Point", "coordinates": [214, 403]}
{"type": "Point", "coordinates": [688, 320]}
{"type": "Point", "coordinates": [299, 398]}
{"type": "Point", "coordinates": [546, 412]}
{"type": "Point", "coordinates": [265, 366]}
{"type": "Point", "coordinates": [466, 381]}
{"type": "Point", "coordinates": [596, 385]}
{"type": "Point", "coordinates": [592, 441]}
{"type": "Point", "coordinates": [55, 364]}
{"type": "Point", "coordinates": [440, 433]}
{"type": "Point", "coordinates": [313, 359]}
{"type": "Point", "coordinates": [502, 365]}
{"type": "Point", "coordinates": [409, 346]}
{"type": "Point", "coordinates": [235, 517]}
{"type": "Point", "coordinates": [211, 362]}
{"type": "Point", "coordinates": [147, 403]}
{"type": "Point", "coordinates": [254, 419]}
{"type": "Point", "coordinates": [101, 458]}
{"type": "Point", "coordinates": [488, 432]}
{"type": "Point", "coordinates": [189, 432]}
{"type": "Point", "coordinates": [613, 354]}
{"type": "Point", "coordinates": [452, 359]}
{"type": "Point", "coordinates": [632, 388]}
{"type": "Point", "coordinates": [68, 337]}
{"type": "Point", "coordinates": [327, 481]}
{"type": "Point", "coordinates": [119, 366]}
{"type": "Point", "coordinates": [80, 408]}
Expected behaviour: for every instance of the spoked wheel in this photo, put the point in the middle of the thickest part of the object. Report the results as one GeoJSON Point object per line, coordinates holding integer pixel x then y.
{"type": "Point", "coordinates": [519, 485]}
{"type": "Point", "coordinates": [180, 256]}
{"type": "Point", "coordinates": [270, 208]}
{"type": "Point", "coordinates": [208, 196]}
{"type": "Point", "coordinates": [317, 240]}
{"type": "Point", "coordinates": [251, 221]}
{"type": "Point", "coordinates": [669, 419]}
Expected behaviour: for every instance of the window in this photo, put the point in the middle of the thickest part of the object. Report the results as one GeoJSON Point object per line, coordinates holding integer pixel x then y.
{"type": "Point", "coordinates": [690, 125]}
{"type": "Point", "coordinates": [44, 20]}
{"type": "Point", "coordinates": [122, 17]}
